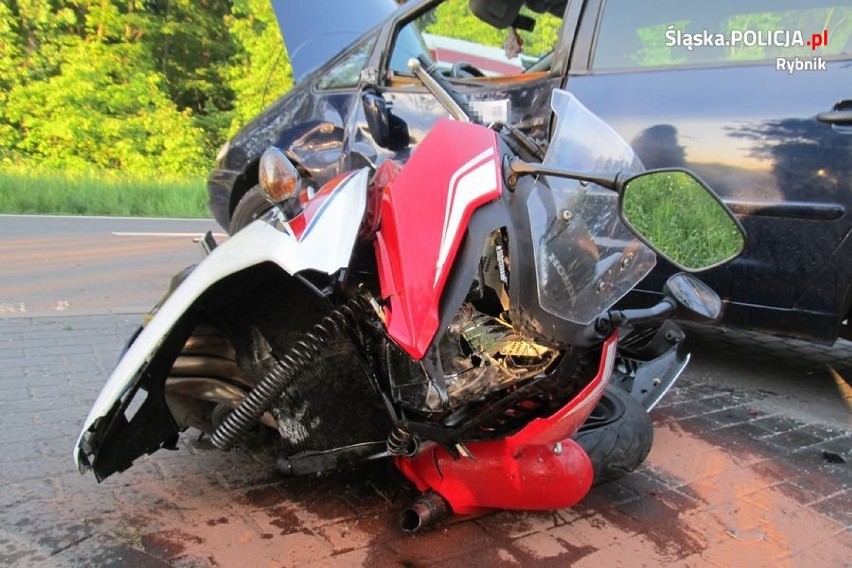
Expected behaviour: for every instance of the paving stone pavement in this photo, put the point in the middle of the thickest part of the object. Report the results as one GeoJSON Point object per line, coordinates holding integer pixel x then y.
{"type": "Point", "coordinates": [727, 483]}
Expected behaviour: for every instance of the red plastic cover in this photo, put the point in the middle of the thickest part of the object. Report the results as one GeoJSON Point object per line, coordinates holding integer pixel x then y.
{"type": "Point", "coordinates": [537, 468]}
{"type": "Point", "coordinates": [424, 216]}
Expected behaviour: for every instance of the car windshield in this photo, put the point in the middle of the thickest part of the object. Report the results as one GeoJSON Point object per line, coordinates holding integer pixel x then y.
{"type": "Point", "coordinates": [464, 46]}
{"type": "Point", "coordinates": [586, 258]}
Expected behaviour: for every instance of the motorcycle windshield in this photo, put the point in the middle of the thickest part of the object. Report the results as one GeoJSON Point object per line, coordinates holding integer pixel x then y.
{"type": "Point", "coordinates": [586, 258]}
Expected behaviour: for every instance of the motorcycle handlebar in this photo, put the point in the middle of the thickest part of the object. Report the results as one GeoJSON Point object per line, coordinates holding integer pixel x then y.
{"type": "Point", "coordinates": [644, 316]}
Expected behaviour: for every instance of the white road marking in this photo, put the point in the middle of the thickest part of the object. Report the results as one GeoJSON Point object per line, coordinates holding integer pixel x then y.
{"type": "Point", "coordinates": [147, 234]}
{"type": "Point", "coordinates": [12, 308]}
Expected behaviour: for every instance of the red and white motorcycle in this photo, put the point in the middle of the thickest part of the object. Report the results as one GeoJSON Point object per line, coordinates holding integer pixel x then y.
{"type": "Point", "coordinates": [454, 314]}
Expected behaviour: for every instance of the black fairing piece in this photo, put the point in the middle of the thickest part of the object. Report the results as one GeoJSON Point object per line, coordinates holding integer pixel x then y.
{"type": "Point", "coordinates": [151, 427]}
{"type": "Point", "coordinates": [527, 314]}
{"type": "Point", "coordinates": [484, 221]}
{"type": "Point", "coordinates": [114, 442]}
{"type": "Point", "coordinates": [650, 361]}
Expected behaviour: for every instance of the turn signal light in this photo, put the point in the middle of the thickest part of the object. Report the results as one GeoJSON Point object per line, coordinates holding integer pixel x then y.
{"type": "Point", "coordinates": [279, 180]}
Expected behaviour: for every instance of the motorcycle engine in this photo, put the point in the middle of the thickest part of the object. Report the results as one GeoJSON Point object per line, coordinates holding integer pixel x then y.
{"type": "Point", "coordinates": [482, 353]}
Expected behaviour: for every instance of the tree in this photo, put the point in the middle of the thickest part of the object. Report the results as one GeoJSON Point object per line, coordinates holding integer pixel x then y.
{"type": "Point", "coordinates": [192, 48]}
{"type": "Point", "coordinates": [86, 86]}
{"type": "Point", "coordinates": [259, 71]}
{"type": "Point", "coordinates": [104, 109]}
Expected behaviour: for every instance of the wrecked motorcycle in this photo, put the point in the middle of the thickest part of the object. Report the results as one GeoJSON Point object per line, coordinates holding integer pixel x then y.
{"type": "Point", "coordinates": [454, 314]}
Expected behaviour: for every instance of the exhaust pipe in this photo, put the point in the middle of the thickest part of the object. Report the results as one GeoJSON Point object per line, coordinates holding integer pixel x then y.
{"type": "Point", "coordinates": [425, 513]}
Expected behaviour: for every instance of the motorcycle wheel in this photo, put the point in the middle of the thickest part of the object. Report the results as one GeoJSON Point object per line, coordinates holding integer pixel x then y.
{"type": "Point", "coordinates": [250, 206]}
{"type": "Point", "coordinates": [617, 436]}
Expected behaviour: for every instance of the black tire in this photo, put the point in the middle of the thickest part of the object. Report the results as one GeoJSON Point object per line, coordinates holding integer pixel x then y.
{"type": "Point", "coordinates": [617, 436]}
{"type": "Point", "coordinates": [250, 206]}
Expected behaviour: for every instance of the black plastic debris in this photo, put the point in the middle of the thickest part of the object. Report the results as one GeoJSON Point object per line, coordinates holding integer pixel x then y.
{"type": "Point", "coordinates": [831, 457]}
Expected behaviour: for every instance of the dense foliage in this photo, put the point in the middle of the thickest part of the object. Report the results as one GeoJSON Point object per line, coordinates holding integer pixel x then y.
{"type": "Point", "coordinates": [140, 86]}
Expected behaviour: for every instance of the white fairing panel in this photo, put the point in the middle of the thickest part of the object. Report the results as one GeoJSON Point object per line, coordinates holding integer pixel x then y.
{"type": "Point", "coordinates": [325, 246]}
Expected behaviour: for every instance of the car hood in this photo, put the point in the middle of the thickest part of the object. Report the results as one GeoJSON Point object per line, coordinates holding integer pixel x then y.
{"type": "Point", "coordinates": [316, 31]}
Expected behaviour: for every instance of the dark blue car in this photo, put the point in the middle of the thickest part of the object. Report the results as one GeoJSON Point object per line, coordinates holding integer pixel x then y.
{"type": "Point", "coordinates": [754, 95]}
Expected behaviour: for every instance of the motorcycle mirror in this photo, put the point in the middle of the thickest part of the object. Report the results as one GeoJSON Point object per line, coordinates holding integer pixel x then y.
{"type": "Point", "coordinates": [696, 300]}
{"type": "Point", "coordinates": [677, 215]}
{"type": "Point", "coordinates": [280, 182]}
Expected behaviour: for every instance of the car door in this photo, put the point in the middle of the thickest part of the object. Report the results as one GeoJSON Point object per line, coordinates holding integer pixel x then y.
{"type": "Point", "coordinates": [764, 120]}
{"type": "Point", "coordinates": [513, 89]}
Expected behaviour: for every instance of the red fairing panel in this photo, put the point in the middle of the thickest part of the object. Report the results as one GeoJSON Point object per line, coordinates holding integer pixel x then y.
{"type": "Point", "coordinates": [538, 468]}
{"type": "Point", "coordinates": [424, 216]}
{"type": "Point", "coordinates": [539, 480]}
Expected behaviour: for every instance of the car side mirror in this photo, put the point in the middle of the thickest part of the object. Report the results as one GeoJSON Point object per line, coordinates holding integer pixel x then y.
{"type": "Point", "coordinates": [388, 130]}
{"type": "Point", "coordinates": [681, 218]}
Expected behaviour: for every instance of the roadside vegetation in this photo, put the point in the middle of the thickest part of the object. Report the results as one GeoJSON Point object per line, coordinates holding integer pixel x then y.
{"type": "Point", "coordinates": [103, 100]}
{"type": "Point", "coordinates": [61, 194]}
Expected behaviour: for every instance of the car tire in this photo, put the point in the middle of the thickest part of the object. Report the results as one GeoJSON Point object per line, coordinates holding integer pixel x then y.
{"type": "Point", "coordinates": [250, 206]}
{"type": "Point", "coordinates": [617, 436]}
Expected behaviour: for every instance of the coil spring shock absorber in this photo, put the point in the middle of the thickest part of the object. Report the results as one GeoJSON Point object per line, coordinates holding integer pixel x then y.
{"type": "Point", "coordinates": [402, 443]}
{"type": "Point", "coordinates": [299, 356]}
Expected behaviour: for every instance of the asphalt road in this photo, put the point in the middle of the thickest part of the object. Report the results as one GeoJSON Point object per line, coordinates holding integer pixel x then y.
{"type": "Point", "coordinates": [83, 265]}
{"type": "Point", "coordinates": [73, 265]}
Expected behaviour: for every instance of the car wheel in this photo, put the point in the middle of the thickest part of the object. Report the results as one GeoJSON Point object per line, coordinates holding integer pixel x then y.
{"type": "Point", "coordinates": [250, 206]}
{"type": "Point", "coordinates": [617, 436]}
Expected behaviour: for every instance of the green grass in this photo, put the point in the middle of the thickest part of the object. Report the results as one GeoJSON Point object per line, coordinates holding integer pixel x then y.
{"type": "Point", "coordinates": [107, 194]}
